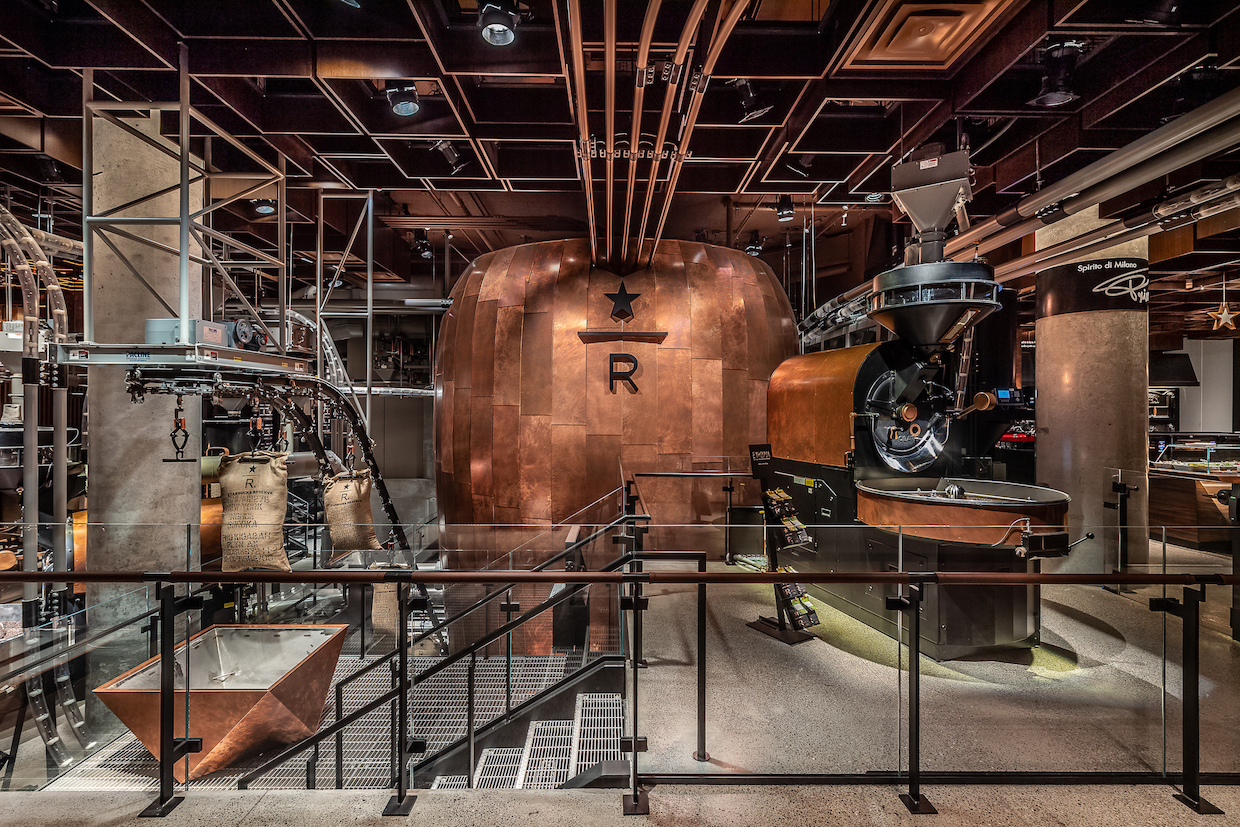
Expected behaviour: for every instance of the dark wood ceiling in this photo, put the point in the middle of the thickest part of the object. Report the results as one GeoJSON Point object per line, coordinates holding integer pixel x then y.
{"type": "Point", "coordinates": [852, 85]}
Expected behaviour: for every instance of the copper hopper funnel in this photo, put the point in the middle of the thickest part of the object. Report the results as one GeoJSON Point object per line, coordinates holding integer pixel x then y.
{"type": "Point", "coordinates": [248, 689]}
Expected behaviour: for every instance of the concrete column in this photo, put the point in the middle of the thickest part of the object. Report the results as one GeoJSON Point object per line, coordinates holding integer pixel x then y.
{"type": "Point", "coordinates": [138, 504]}
{"type": "Point", "coordinates": [1092, 381]}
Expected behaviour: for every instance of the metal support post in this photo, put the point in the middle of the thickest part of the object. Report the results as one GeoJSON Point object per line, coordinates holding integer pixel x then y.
{"type": "Point", "coordinates": [88, 204]}
{"type": "Point", "coordinates": [60, 483]}
{"type": "Point", "coordinates": [727, 523]}
{"type": "Point", "coordinates": [701, 754]}
{"type": "Point", "coordinates": [1233, 512]}
{"type": "Point", "coordinates": [637, 800]}
{"type": "Point", "coordinates": [171, 748]}
{"type": "Point", "coordinates": [916, 803]}
{"type": "Point", "coordinates": [282, 242]}
{"type": "Point", "coordinates": [469, 718]}
{"type": "Point", "coordinates": [1189, 611]}
{"type": "Point", "coordinates": [30, 489]}
{"type": "Point", "coordinates": [401, 803]}
{"type": "Point", "coordinates": [370, 303]}
{"type": "Point", "coordinates": [508, 607]}
{"type": "Point", "coordinates": [185, 218]}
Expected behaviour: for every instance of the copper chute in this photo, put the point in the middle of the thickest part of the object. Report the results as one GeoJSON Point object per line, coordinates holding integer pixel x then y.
{"type": "Point", "coordinates": [609, 118]}
{"type": "Point", "coordinates": [695, 105]}
{"type": "Point", "coordinates": [232, 722]}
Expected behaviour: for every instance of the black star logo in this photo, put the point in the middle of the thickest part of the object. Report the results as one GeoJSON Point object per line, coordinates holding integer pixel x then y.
{"type": "Point", "coordinates": [253, 468]}
{"type": "Point", "coordinates": [623, 310]}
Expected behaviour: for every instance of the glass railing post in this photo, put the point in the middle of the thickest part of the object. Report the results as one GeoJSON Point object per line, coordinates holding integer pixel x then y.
{"type": "Point", "coordinates": [469, 718]}
{"type": "Point", "coordinates": [636, 801]}
{"type": "Point", "coordinates": [701, 754]}
{"type": "Point", "coordinates": [402, 802]}
{"type": "Point", "coordinates": [508, 607]}
{"type": "Point", "coordinates": [1189, 611]}
{"type": "Point", "coordinates": [911, 606]}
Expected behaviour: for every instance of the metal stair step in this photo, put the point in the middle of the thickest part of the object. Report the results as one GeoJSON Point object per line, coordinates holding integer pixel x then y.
{"type": "Point", "coordinates": [497, 768]}
{"type": "Point", "coordinates": [545, 759]}
{"type": "Point", "coordinates": [597, 725]}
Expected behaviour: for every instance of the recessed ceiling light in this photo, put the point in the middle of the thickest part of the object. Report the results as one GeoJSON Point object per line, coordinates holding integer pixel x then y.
{"type": "Point", "coordinates": [402, 96]}
{"type": "Point", "coordinates": [497, 21]}
{"type": "Point", "coordinates": [263, 206]}
{"type": "Point", "coordinates": [784, 209]}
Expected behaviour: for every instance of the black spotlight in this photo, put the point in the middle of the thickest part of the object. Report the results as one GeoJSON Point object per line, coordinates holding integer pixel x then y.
{"type": "Point", "coordinates": [422, 244]}
{"type": "Point", "coordinates": [402, 96]}
{"type": "Point", "coordinates": [497, 20]}
{"type": "Point", "coordinates": [751, 107]}
{"type": "Point", "coordinates": [1057, 66]}
{"type": "Point", "coordinates": [1156, 13]}
{"type": "Point", "coordinates": [263, 206]}
{"type": "Point", "coordinates": [1194, 88]}
{"type": "Point", "coordinates": [450, 154]}
{"type": "Point", "coordinates": [754, 247]}
{"type": "Point", "coordinates": [784, 210]}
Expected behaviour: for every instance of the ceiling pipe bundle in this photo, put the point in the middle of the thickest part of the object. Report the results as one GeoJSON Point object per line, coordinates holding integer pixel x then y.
{"type": "Point", "coordinates": [665, 117]}
{"type": "Point", "coordinates": [1109, 176]}
{"type": "Point", "coordinates": [635, 128]}
{"type": "Point", "coordinates": [577, 49]}
{"type": "Point", "coordinates": [695, 106]}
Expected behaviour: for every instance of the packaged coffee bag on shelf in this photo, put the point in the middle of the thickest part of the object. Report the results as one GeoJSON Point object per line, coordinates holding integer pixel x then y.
{"type": "Point", "coordinates": [346, 499]}
{"type": "Point", "coordinates": [254, 494]}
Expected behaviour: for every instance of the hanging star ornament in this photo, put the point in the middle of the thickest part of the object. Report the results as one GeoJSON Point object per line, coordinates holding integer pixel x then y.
{"type": "Point", "coordinates": [623, 301]}
{"type": "Point", "coordinates": [1223, 316]}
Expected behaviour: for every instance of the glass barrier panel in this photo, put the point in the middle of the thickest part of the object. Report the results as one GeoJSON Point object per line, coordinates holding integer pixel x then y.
{"type": "Point", "coordinates": [60, 732]}
{"type": "Point", "coordinates": [1084, 693]}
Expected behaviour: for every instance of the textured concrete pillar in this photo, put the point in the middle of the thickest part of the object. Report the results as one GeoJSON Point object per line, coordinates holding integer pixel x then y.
{"type": "Point", "coordinates": [138, 504]}
{"type": "Point", "coordinates": [1092, 380]}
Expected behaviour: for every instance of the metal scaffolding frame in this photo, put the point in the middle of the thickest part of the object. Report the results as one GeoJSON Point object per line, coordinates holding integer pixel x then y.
{"type": "Point", "coordinates": [190, 223]}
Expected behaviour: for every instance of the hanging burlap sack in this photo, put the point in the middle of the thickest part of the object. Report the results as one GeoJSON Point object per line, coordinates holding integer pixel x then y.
{"type": "Point", "coordinates": [385, 609]}
{"type": "Point", "coordinates": [254, 490]}
{"type": "Point", "coordinates": [346, 498]}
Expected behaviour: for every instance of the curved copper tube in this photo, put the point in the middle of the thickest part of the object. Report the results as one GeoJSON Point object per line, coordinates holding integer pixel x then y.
{"type": "Point", "coordinates": [609, 118]}
{"type": "Point", "coordinates": [57, 311]}
{"type": "Point", "coordinates": [682, 49]}
{"type": "Point", "coordinates": [695, 106]}
{"type": "Point", "coordinates": [639, 98]}
{"type": "Point", "coordinates": [583, 123]}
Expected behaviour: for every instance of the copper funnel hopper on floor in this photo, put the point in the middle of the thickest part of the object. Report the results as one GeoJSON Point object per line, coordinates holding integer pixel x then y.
{"type": "Point", "coordinates": [248, 689]}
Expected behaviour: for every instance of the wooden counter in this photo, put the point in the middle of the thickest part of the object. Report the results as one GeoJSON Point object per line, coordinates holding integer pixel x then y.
{"type": "Point", "coordinates": [1184, 502]}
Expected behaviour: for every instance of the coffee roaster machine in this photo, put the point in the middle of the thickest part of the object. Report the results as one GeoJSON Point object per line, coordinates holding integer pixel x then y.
{"type": "Point", "coordinates": [866, 445]}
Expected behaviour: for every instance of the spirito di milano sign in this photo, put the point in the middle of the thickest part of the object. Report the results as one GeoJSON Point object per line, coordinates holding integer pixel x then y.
{"type": "Point", "coordinates": [1102, 284]}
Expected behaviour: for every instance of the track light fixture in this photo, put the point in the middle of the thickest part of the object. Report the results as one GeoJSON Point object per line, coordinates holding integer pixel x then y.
{"type": "Point", "coordinates": [354, 3]}
{"type": "Point", "coordinates": [422, 244]}
{"type": "Point", "coordinates": [1058, 63]}
{"type": "Point", "coordinates": [751, 107]}
{"type": "Point", "coordinates": [402, 96]}
{"type": "Point", "coordinates": [784, 210]}
{"type": "Point", "coordinates": [497, 21]}
{"type": "Point", "coordinates": [801, 165]}
{"type": "Point", "coordinates": [1194, 88]}
{"type": "Point", "coordinates": [1156, 13]}
{"type": "Point", "coordinates": [451, 155]}
{"type": "Point", "coordinates": [754, 247]}
{"type": "Point", "coordinates": [263, 206]}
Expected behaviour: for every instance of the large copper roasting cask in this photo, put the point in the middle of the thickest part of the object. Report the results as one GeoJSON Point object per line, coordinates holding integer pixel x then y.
{"type": "Point", "coordinates": [531, 425]}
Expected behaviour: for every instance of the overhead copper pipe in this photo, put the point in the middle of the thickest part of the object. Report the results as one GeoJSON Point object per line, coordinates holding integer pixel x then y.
{"type": "Point", "coordinates": [695, 106]}
{"type": "Point", "coordinates": [678, 62]}
{"type": "Point", "coordinates": [609, 118]}
{"type": "Point", "coordinates": [639, 101]}
{"type": "Point", "coordinates": [582, 115]}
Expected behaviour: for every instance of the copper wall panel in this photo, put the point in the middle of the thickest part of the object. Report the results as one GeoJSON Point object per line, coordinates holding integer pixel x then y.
{"type": "Point", "coordinates": [707, 432]}
{"type": "Point", "coordinates": [482, 380]}
{"type": "Point", "coordinates": [943, 520]}
{"type": "Point", "coordinates": [556, 432]}
{"type": "Point", "coordinates": [536, 337]}
{"type": "Point", "coordinates": [675, 419]}
{"type": "Point", "coordinates": [509, 322]}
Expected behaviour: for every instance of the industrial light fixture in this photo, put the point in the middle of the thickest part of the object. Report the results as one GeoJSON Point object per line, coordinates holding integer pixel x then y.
{"type": "Point", "coordinates": [1196, 87]}
{"type": "Point", "coordinates": [1058, 63]}
{"type": "Point", "coordinates": [354, 3]}
{"type": "Point", "coordinates": [422, 244]}
{"type": "Point", "coordinates": [497, 21]}
{"type": "Point", "coordinates": [874, 197]}
{"type": "Point", "coordinates": [784, 210]}
{"type": "Point", "coordinates": [751, 107]}
{"type": "Point", "coordinates": [801, 165]}
{"type": "Point", "coordinates": [402, 96]}
{"type": "Point", "coordinates": [263, 206]}
{"type": "Point", "coordinates": [1156, 13]}
{"type": "Point", "coordinates": [450, 154]}
{"type": "Point", "coordinates": [754, 247]}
